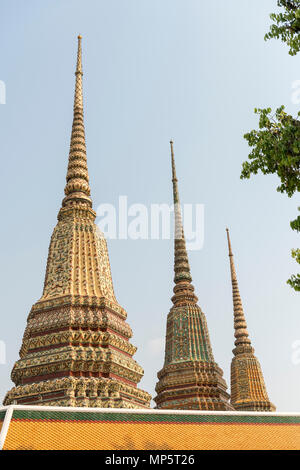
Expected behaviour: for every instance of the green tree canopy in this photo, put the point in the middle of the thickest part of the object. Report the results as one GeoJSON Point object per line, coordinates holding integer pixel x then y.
{"type": "Point", "coordinates": [276, 150]}
{"type": "Point", "coordinates": [287, 25]}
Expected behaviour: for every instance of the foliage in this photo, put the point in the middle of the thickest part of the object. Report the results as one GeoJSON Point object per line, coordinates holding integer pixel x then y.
{"type": "Point", "coordinates": [294, 280]}
{"type": "Point", "coordinates": [287, 25]}
{"type": "Point", "coordinates": [276, 150]}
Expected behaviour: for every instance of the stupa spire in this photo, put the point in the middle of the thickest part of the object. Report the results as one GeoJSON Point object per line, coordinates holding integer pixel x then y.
{"type": "Point", "coordinates": [242, 341]}
{"type": "Point", "coordinates": [248, 390]}
{"type": "Point", "coordinates": [190, 378]}
{"type": "Point", "coordinates": [183, 290]}
{"type": "Point", "coordinates": [77, 189]}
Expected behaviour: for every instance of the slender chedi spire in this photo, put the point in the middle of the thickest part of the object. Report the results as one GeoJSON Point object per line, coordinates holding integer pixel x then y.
{"type": "Point", "coordinates": [77, 187]}
{"type": "Point", "coordinates": [181, 262]}
{"type": "Point", "coordinates": [248, 390]}
{"type": "Point", "coordinates": [190, 378]}
{"type": "Point", "coordinates": [76, 349]}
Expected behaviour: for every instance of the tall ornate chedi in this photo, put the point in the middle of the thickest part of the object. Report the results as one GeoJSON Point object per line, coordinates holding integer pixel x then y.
{"type": "Point", "coordinates": [248, 390]}
{"type": "Point", "coordinates": [76, 349]}
{"type": "Point", "coordinates": [190, 378]}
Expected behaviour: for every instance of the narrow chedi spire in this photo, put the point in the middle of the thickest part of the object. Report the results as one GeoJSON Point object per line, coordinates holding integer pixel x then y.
{"type": "Point", "coordinates": [242, 342]}
{"type": "Point", "coordinates": [248, 390]}
{"type": "Point", "coordinates": [190, 378]}
{"type": "Point", "coordinates": [182, 271]}
{"type": "Point", "coordinates": [77, 189]}
{"type": "Point", "coordinates": [76, 349]}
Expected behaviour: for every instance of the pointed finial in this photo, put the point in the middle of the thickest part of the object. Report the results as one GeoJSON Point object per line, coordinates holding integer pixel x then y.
{"type": "Point", "coordinates": [77, 189]}
{"type": "Point", "coordinates": [79, 60]}
{"type": "Point", "coordinates": [183, 290]}
{"type": "Point", "coordinates": [229, 243]}
{"type": "Point", "coordinates": [242, 342]}
{"type": "Point", "coordinates": [174, 177]}
{"type": "Point", "coordinates": [78, 99]}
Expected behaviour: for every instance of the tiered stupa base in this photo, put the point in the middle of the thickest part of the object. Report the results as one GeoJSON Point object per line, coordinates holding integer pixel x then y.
{"type": "Point", "coordinates": [76, 352]}
{"type": "Point", "coordinates": [248, 390]}
{"type": "Point", "coordinates": [71, 391]}
{"type": "Point", "coordinates": [190, 378]}
{"type": "Point", "coordinates": [192, 386]}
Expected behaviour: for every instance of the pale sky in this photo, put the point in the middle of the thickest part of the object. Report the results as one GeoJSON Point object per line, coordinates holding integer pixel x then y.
{"type": "Point", "coordinates": [153, 70]}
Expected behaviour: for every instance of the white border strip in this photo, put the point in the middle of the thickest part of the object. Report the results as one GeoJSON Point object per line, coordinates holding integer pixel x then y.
{"type": "Point", "coordinates": [70, 409]}
{"type": "Point", "coordinates": [5, 425]}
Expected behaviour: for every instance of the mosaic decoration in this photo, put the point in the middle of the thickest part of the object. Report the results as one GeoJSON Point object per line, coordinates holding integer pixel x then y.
{"type": "Point", "coordinates": [76, 349]}
{"type": "Point", "coordinates": [248, 390]}
{"type": "Point", "coordinates": [87, 429]}
{"type": "Point", "coordinates": [190, 377]}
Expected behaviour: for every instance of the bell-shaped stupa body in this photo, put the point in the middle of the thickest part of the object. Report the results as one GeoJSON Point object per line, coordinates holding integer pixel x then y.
{"type": "Point", "coordinates": [190, 378]}
{"type": "Point", "coordinates": [76, 349]}
{"type": "Point", "coordinates": [248, 390]}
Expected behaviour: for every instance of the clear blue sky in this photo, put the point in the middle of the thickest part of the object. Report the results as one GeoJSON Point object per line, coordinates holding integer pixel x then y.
{"type": "Point", "coordinates": [190, 70]}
